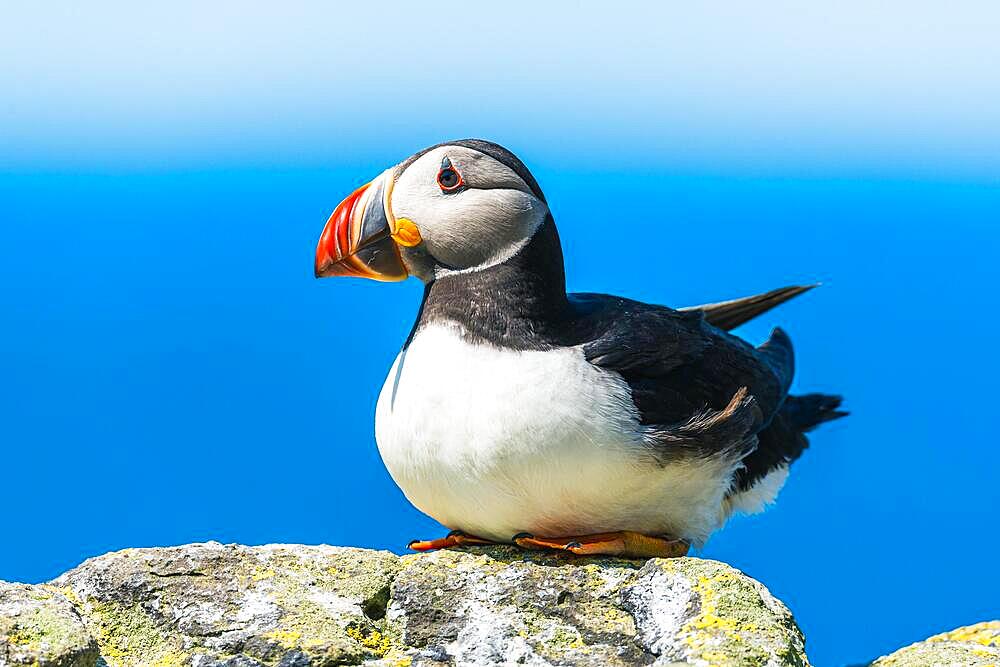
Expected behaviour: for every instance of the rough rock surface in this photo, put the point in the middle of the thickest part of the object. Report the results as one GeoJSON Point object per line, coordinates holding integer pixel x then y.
{"type": "Point", "coordinates": [210, 605]}
{"type": "Point", "coordinates": [39, 626]}
{"type": "Point", "coordinates": [497, 607]}
{"type": "Point", "coordinates": [972, 646]}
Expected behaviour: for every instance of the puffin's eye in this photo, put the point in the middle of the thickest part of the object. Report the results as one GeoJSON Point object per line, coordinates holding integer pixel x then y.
{"type": "Point", "coordinates": [448, 179]}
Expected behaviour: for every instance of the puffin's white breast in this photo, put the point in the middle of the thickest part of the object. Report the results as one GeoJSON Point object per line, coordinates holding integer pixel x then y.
{"type": "Point", "coordinates": [495, 442]}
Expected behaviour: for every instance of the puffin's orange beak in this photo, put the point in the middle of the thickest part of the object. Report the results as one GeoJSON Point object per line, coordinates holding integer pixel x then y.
{"type": "Point", "coordinates": [357, 239]}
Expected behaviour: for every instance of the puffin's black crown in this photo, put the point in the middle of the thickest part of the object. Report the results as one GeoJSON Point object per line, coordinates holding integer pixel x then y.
{"type": "Point", "coordinates": [495, 151]}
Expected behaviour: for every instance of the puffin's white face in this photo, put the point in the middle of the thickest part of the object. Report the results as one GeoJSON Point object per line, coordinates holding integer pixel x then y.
{"type": "Point", "coordinates": [471, 211]}
{"type": "Point", "coordinates": [452, 209]}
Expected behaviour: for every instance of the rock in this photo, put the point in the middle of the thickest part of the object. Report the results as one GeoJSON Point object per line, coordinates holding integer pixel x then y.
{"type": "Point", "coordinates": [39, 626]}
{"type": "Point", "coordinates": [496, 606]}
{"type": "Point", "coordinates": [209, 605]}
{"type": "Point", "coordinates": [972, 646]}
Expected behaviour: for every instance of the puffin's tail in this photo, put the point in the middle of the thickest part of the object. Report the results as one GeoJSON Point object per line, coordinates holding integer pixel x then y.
{"type": "Point", "coordinates": [806, 412]}
{"type": "Point", "coordinates": [728, 315]}
{"type": "Point", "coordinates": [784, 439]}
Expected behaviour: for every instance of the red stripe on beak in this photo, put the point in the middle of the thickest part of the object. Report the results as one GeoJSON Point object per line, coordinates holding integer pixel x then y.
{"type": "Point", "coordinates": [356, 240]}
{"type": "Point", "coordinates": [335, 241]}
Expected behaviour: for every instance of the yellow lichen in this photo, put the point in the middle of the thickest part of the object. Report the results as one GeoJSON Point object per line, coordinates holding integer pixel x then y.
{"type": "Point", "coordinates": [723, 631]}
{"type": "Point", "coordinates": [714, 657]}
{"type": "Point", "coordinates": [23, 639]}
{"type": "Point", "coordinates": [371, 639]}
{"type": "Point", "coordinates": [566, 638]}
{"type": "Point", "coordinates": [66, 592]}
{"type": "Point", "coordinates": [288, 639]}
{"type": "Point", "coordinates": [127, 635]}
{"type": "Point", "coordinates": [986, 633]}
{"type": "Point", "coordinates": [171, 660]}
{"type": "Point", "coordinates": [708, 618]}
{"type": "Point", "coordinates": [940, 651]}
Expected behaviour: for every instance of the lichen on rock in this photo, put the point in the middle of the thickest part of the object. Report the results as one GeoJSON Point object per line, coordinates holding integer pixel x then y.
{"type": "Point", "coordinates": [706, 613]}
{"type": "Point", "coordinates": [209, 604]}
{"type": "Point", "coordinates": [39, 626]}
{"type": "Point", "coordinates": [970, 646]}
{"type": "Point", "coordinates": [214, 605]}
{"type": "Point", "coordinates": [499, 606]}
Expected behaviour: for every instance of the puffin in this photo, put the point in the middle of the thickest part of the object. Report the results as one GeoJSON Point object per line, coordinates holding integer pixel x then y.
{"type": "Point", "coordinates": [516, 413]}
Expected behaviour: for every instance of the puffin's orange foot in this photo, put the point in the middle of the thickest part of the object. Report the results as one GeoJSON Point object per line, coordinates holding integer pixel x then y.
{"type": "Point", "coordinates": [455, 538]}
{"type": "Point", "coordinates": [624, 543]}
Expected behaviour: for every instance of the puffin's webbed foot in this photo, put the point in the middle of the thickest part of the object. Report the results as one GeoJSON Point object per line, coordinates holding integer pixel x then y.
{"type": "Point", "coordinates": [626, 544]}
{"type": "Point", "coordinates": [455, 538]}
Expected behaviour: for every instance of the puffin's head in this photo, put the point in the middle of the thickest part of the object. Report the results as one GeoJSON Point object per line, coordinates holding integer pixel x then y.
{"type": "Point", "coordinates": [458, 206]}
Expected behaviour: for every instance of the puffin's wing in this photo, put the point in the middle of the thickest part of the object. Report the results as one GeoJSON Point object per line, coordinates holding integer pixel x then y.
{"type": "Point", "coordinates": [730, 314]}
{"type": "Point", "coordinates": [699, 389]}
{"type": "Point", "coordinates": [644, 341]}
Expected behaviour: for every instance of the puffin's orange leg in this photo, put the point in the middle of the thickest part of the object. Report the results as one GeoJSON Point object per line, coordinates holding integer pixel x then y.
{"type": "Point", "coordinates": [455, 538]}
{"type": "Point", "coordinates": [623, 543]}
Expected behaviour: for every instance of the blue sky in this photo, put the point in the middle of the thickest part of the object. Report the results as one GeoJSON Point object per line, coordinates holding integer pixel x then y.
{"type": "Point", "coordinates": [172, 372]}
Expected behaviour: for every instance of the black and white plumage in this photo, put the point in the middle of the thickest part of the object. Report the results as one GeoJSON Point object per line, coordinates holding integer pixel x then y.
{"type": "Point", "coordinates": [516, 407]}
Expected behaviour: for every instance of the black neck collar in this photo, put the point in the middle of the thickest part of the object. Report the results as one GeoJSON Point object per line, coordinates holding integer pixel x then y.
{"type": "Point", "coordinates": [520, 303]}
